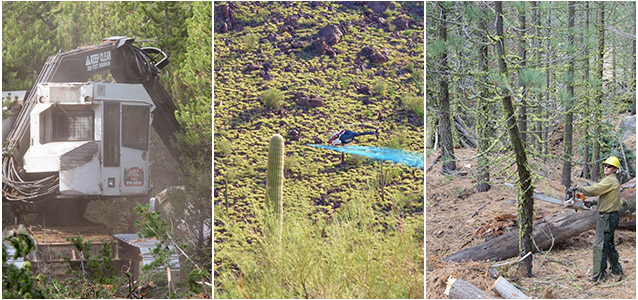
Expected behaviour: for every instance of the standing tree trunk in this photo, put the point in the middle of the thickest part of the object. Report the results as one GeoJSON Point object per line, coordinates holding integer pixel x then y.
{"type": "Point", "coordinates": [569, 115]}
{"type": "Point", "coordinates": [482, 122]}
{"type": "Point", "coordinates": [599, 96]}
{"type": "Point", "coordinates": [548, 84]}
{"type": "Point", "coordinates": [538, 59]}
{"type": "Point", "coordinates": [587, 113]}
{"type": "Point", "coordinates": [525, 203]}
{"type": "Point", "coordinates": [633, 55]}
{"type": "Point", "coordinates": [449, 165]}
{"type": "Point", "coordinates": [522, 122]}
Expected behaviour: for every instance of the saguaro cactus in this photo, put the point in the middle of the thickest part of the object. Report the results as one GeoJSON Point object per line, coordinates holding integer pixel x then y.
{"type": "Point", "coordinates": [275, 176]}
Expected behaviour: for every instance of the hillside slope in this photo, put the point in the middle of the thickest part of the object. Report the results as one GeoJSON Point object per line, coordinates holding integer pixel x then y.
{"type": "Point", "coordinates": [372, 76]}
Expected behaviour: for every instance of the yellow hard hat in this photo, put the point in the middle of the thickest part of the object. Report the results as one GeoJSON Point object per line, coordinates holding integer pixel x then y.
{"type": "Point", "coordinates": [612, 161]}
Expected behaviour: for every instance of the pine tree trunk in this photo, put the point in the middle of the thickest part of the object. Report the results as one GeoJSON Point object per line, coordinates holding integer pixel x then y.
{"type": "Point", "coordinates": [447, 146]}
{"type": "Point", "coordinates": [548, 84]}
{"type": "Point", "coordinates": [587, 113]}
{"type": "Point", "coordinates": [522, 122]}
{"type": "Point", "coordinates": [633, 55]}
{"type": "Point", "coordinates": [482, 122]}
{"type": "Point", "coordinates": [538, 58]}
{"type": "Point", "coordinates": [526, 203]}
{"type": "Point", "coordinates": [599, 98]}
{"type": "Point", "coordinates": [567, 165]}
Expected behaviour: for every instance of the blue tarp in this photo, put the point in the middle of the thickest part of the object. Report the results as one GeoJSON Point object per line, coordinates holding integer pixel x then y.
{"type": "Point", "coordinates": [408, 158]}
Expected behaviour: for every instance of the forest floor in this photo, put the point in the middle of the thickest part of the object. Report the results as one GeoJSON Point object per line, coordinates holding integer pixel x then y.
{"type": "Point", "coordinates": [561, 272]}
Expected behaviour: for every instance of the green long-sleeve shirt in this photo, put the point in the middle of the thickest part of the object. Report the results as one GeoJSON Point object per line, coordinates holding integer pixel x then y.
{"type": "Point", "coordinates": [608, 192]}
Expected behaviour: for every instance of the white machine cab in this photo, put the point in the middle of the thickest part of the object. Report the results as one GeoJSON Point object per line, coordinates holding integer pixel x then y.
{"type": "Point", "coordinates": [95, 135]}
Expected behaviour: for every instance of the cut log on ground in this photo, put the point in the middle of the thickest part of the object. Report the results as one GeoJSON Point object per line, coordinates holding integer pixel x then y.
{"type": "Point", "coordinates": [507, 290]}
{"type": "Point", "coordinates": [555, 228]}
{"type": "Point", "coordinates": [547, 232]}
{"type": "Point", "coordinates": [464, 133]}
{"type": "Point", "coordinates": [460, 289]}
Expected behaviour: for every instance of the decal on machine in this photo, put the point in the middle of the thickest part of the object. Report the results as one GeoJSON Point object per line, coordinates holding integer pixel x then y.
{"type": "Point", "coordinates": [98, 61]}
{"type": "Point", "coordinates": [133, 176]}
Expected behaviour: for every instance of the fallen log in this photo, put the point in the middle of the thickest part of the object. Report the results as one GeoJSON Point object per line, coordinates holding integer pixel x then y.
{"type": "Point", "coordinates": [464, 132]}
{"type": "Point", "coordinates": [460, 289]}
{"type": "Point", "coordinates": [547, 231]}
{"type": "Point", "coordinates": [507, 290]}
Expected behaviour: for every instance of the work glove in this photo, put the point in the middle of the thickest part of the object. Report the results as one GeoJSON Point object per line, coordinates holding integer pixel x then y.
{"type": "Point", "coordinates": [572, 188]}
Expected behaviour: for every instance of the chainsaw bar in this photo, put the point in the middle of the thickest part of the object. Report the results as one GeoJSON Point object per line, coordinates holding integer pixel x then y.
{"type": "Point", "coordinates": [547, 199]}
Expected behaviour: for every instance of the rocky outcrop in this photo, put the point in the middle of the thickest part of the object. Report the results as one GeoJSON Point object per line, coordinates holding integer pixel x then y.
{"type": "Point", "coordinates": [226, 14]}
{"type": "Point", "coordinates": [401, 23]}
{"type": "Point", "coordinates": [312, 100]}
{"type": "Point", "coordinates": [376, 57]}
{"type": "Point", "coordinates": [321, 47]}
{"type": "Point", "coordinates": [331, 34]}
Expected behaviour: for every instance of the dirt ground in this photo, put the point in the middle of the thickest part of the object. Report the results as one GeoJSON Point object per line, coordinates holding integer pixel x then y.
{"type": "Point", "coordinates": [561, 272]}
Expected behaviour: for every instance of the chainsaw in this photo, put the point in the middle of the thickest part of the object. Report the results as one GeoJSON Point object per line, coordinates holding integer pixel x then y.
{"type": "Point", "coordinates": [576, 201]}
{"type": "Point", "coordinates": [572, 200]}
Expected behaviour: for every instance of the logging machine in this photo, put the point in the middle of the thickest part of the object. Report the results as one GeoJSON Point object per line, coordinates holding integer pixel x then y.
{"type": "Point", "coordinates": [77, 140]}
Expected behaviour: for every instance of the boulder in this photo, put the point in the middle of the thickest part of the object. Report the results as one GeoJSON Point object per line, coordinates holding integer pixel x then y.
{"type": "Point", "coordinates": [331, 34]}
{"type": "Point", "coordinates": [320, 46]}
{"type": "Point", "coordinates": [401, 23]}
{"type": "Point", "coordinates": [364, 89]}
{"type": "Point", "coordinates": [376, 57]}
{"type": "Point", "coordinates": [312, 100]}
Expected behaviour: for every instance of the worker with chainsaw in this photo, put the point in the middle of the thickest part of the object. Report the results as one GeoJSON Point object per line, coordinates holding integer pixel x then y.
{"type": "Point", "coordinates": [608, 192]}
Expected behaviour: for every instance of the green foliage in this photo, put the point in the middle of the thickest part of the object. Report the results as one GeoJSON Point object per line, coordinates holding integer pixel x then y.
{"type": "Point", "coordinates": [272, 98]}
{"type": "Point", "coordinates": [346, 256]}
{"type": "Point", "coordinates": [8, 104]}
{"type": "Point", "coordinates": [532, 77]}
{"type": "Point", "coordinates": [98, 270]}
{"type": "Point", "coordinates": [250, 42]}
{"type": "Point", "coordinates": [417, 77]}
{"type": "Point", "coordinates": [19, 282]}
{"type": "Point", "coordinates": [379, 87]}
{"type": "Point", "coordinates": [224, 147]}
{"type": "Point", "coordinates": [414, 103]}
{"type": "Point", "coordinates": [153, 226]}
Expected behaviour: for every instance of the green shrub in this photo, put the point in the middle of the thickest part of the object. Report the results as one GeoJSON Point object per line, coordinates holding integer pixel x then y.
{"type": "Point", "coordinates": [224, 147]}
{"type": "Point", "coordinates": [343, 257]}
{"type": "Point", "coordinates": [414, 103]}
{"type": "Point", "coordinates": [379, 87]}
{"type": "Point", "coordinates": [249, 42]}
{"type": "Point", "coordinates": [272, 98]}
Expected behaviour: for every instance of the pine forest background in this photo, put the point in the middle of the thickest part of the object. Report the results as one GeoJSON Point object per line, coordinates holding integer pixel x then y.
{"type": "Point", "coordinates": [524, 97]}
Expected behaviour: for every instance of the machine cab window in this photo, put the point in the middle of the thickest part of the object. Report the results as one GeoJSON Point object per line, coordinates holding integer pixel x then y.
{"type": "Point", "coordinates": [62, 123]}
{"type": "Point", "coordinates": [72, 125]}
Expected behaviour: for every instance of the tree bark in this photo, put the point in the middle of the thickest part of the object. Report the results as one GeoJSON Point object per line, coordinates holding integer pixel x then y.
{"type": "Point", "coordinates": [599, 95]}
{"type": "Point", "coordinates": [548, 82]}
{"type": "Point", "coordinates": [633, 56]}
{"type": "Point", "coordinates": [525, 203]}
{"type": "Point", "coordinates": [447, 146]}
{"type": "Point", "coordinates": [482, 122]}
{"type": "Point", "coordinates": [547, 231]}
{"type": "Point", "coordinates": [458, 288]}
{"type": "Point", "coordinates": [507, 290]}
{"type": "Point", "coordinates": [522, 122]}
{"type": "Point", "coordinates": [560, 227]}
{"type": "Point", "coordinates": [567, 153]}
{"type": "Point", "coordinates": [587, 114]}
